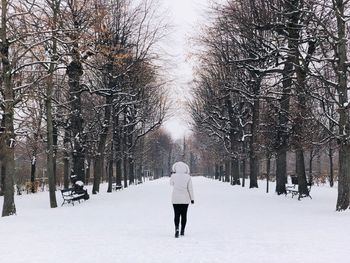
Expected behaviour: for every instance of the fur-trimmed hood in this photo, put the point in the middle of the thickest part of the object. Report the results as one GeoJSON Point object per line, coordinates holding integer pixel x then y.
{"type": "Point", "coordinates": [180, 168]}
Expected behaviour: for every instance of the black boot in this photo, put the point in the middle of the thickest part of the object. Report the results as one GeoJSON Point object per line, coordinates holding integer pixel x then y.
{"type": "Point", "coordinates": [182, 233]}
{"type": "Point", "coordinates": [176, 233]}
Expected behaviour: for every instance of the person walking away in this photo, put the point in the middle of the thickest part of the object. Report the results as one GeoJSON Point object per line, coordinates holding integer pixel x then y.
{"type": "Point", "coordinates": [182, 194]}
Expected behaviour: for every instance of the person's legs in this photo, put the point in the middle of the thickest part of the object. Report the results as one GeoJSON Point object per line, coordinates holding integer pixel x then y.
{"type": "Point", "coordinates": [184, 208]}
{"type": "Point", "coordinates": [177, 213]}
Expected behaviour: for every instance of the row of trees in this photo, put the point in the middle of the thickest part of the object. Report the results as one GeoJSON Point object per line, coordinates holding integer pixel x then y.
{"type": "Point", "coordinates": [79, 82]}
{"type": "Point", "coordinates": [273, 77]}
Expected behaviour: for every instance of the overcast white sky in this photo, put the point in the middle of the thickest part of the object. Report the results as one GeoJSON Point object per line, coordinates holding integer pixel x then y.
{"type": "Point", "coordinates": [185, 16]}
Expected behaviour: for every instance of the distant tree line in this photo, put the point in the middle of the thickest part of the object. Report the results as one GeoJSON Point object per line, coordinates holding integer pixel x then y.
{"type": "Point", "coordinates": [80, 84]}
{"type": "Point", "coordinates": [272, 78]}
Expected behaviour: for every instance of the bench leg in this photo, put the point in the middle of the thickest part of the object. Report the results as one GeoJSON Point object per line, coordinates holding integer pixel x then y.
{"type": "Point", "coordinates": [65, 202]}
{"type": "Point", "coordinates": [301, 196]}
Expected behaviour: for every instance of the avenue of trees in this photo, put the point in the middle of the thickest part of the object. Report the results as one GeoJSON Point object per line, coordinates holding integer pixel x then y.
{"type": "Point", "coordinates": [272, 80]}
{"type": "Point", "coordinates": [80, 90]}
{"type": "Point", "coordinates": [83, 95]}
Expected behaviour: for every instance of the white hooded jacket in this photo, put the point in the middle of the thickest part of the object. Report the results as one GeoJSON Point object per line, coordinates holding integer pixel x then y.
{"type": "Point", "coordinates": [182, 183]}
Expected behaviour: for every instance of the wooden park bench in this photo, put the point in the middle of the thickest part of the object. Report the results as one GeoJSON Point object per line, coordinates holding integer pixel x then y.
{"type": "Point", "coordinates": [71, 195]}
{"type": "Point", "coordinates": [293, 188]}
{"type": "Point", "coordinates": [139, 181]}
{"type": "Point", "coordinates": [117, 187]}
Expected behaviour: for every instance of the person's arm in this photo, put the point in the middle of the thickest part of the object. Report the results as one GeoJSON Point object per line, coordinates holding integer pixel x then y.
{"type": "Point", "coordinates": [190, 190]}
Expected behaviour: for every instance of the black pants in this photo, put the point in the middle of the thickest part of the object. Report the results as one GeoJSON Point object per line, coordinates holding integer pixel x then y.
{"type": "Point", "coordinates": [180, 210]}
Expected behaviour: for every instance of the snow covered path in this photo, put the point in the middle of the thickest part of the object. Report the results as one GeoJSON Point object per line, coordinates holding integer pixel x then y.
{"type": "Point", "coordinates": [226, 224]}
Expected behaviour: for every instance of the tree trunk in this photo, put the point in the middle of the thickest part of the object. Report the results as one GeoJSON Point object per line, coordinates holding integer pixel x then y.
{"type": "Point", "coordinates": [117, 140]}
{"type": "Point", "coordinates": [217, 172]}
{"type": "Point", "coordinates": [55, 147]}
{"type": "Point", "coordinates": [311, 160]}
{"type": "Point", "coordinates": [125, 171]}
{"type": "Point", "coordinates": [35, 151]}
{"type": "Point", "coordinates": [228, 171]}
{"type": "Point", "coordinates": [66, 173]}
{"type": "Point", "coordinates": [311, 168]}
{"type": "Point", "coordinates": [130, 157]}
{"type": "Point", "coordinates": [8, 135]}
{"type": "Point", "coordinates": [244, 165]}
{"type": "Point", "coordinates": [99, 159]}
{"type": "Point", "coordinates": [2, 165]}
{"type": "Point", "coordinates": [169, 158]}
{"type": "Point", "coordinates": [9, 207]}
{"type": "Point", "coordinates": [283, 118]}
{"type": "Point", "coordinates": [74, 72]}
{"type": "Point", "coordinates": [254, 170]}
{"type": "Point", "coordinates": [32, 173]}
{"type": "Point", "coordinates": [344, 126]}
{"type": "Point", "coordinates": [235, 171]}
{"type": "Point", "coordinates": [281, 171]}
{"type": "Point", "coordinates": [268, 169]}
{"type": "Point", "coordinates": [119, 171]}
{"type": "Point", "coordinates": [253, 142]}
{"type": "Point", "coordinates": [50, 153]}
{"type": "Point", "coordinates": [300, 173]}
{"type": "Point", "coordinates": [343, 180]}
{"type": "Point", "coordinates": [110, 174]}
{"type": "Point", "coordinates": [2, 179]}
{"type": "Point", "coordinates": [88, 170]}
{"type": "Point", "coordinates": [300, 70]}
{"type": "Point", "coordinates": [131, 170]}
{"type": "Point", "coordinates": [124, 149]}
{"type": "Point", "coordinates": [48, 103]}
{"type": "Point", "coordinates": [331, 172]}
{"type": "Point", "coordinates": [221, 169]}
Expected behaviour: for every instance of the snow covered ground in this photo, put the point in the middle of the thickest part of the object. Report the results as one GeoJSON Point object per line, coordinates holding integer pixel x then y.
{"type": "Point", "coordinates": [226, 224]}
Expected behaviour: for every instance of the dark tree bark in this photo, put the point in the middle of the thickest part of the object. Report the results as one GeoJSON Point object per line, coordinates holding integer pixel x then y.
{"type": "Point", "coordinates": [221, 169]}
{"type": "Point", "coordinates": [300, 172]}
{"type": "Point", "coordinates": [55, 6]}
{"type": "Point", "coordinates": [281, 170]}
{"type": "Point", "coordinates": [131, 170]}
{"type": "Point", "coordinates": [110, 174]}
{"type": "Point", "coordinates": [2, 179]}
{"type": "Point", "coordinates": [7, 137]}
{"type": "Point", "coordinates": [217, 172]}
{"type": "Point", "coordinates": [301, 69]}
{"type": "Point", "coordinates": [124, 140]}
{"type": "Point", "coordinates": [236, 172]}
{"type": "Point", "coordinates": [2, 165]}
{"type": "Point", "coordinates": [66, 173]}
{"type": "Point", "coordinates": [344, 125]}
{"type": "Point", "coordinates": [35, 151]}
{"type": "Point", "coordinates": [228, 171]}
{"type": "Point", "coordinates": [55, 148]}
{"type": "Point", "coordinates": [119, 171]}
{"type": "Point", "coordinates": [130, 158]}
{"type": "Point", "coordinates": [99, 158]}
{"type": "Point", "coordinates": [311, 160]}
{"type": "Point", "coordinates": [88, 170]}
{"type": "Point", "coordinates": [283, 118]}
{"type": "Point", "coordinates": [125, 171]}
{"type": "Point", "coordinates": [268, 170]}
{"type": "Point", "coordinates": [117, 139]}
{"type": "Point", "coordinates": [253, 142]}
{"type": "Point", "coordinates": [74, 72]}
{"type": "Point", "coordinates": [331, 171]}
{"type": "Point", "coordinates": [32, 173]}
{"type": "Point", "coordinates": [244, 171]}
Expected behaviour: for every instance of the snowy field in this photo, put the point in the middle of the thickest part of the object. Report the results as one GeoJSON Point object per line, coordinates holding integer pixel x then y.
{"type": "Point", "coordinates": [226, 224]}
